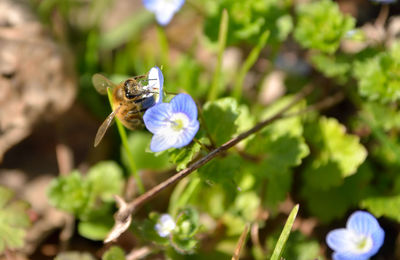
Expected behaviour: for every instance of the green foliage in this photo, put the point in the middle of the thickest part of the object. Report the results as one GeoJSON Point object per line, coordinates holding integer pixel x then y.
{"type": "Point", "coordinates": [297, 247]}
{"type": "Point", "coordinates": [69, 193]}
{"type": "Point", "coordinates": [249, 19]}
{"type": "Point", "coordinates": [337, 67]}
{"type": "Point", "coordinates": [114, 253]}
{"type": "Point", "coordinates": [280, 146]}
{"type": "Point", "coordinates": [321, 25]}
{"type": "Point", "coordinates": [220, 118]}
{"type": "Point", "coordinates": [278, 250]}
{"type": "Point", "coordinates": [340, 198]}
{"type": "Point", "coordinates": [139, 142]}
{"type": "Point", "coordinates": [187, 225]}
{"type": "Point", "coordinates": [182, 157]}
{"type": "Point", "coordinates": [318, 158]}
{"type": "Point", "coordinates": [378, 77]}
{"type": "Point", "coordinates": [336, 154]}
{"type": "Point", "coordinates": [14, 221]}
{"type": "Point", "coordinates": [89, 198]}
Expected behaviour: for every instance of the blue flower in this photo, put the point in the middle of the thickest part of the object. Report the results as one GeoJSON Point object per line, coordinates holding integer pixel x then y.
{"type": "Point", "coordinates": [384, 1]}
{"type": "Point", "coordinates": [173, 124]}
{"type": "Point", "coordinates": [165, 225]}
{"type": "Point", "coordinates": [360, 240]}
{"type": "Point", "coordinates": [163, 9]}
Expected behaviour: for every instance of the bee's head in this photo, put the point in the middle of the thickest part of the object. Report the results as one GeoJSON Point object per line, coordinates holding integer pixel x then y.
{"type": "Point", "coordinates": [131, 89]}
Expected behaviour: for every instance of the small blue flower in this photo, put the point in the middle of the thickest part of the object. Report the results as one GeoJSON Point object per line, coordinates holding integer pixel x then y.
{"type": "Point", "coordinates": [360, 240]}
{"type": "Point", "coordinates": [165, 225]}
{"type": "Point", "coordinates": [163, 9]}
{"type": "Point", "coordinates": [173, 124]}
{"type": "Point", "coordinates": [384, 1]}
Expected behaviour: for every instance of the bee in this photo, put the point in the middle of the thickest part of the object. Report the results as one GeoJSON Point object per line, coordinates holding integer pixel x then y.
{"type": "Point", "coordinates": [130, 99]}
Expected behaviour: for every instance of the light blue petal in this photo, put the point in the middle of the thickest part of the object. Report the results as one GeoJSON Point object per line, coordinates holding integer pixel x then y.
{"type": "Point", "coordinates": [362, 222]}
{"type": "Point", "coordinates": [150, 5]}
{"type": "Point", "coordinates": [163, 9]}
{"type": "Point", "coordinates": [339, 239]}
{"type": "Point", "coordinates": [187, 135]}
{"type": "Point", "coordinates": [185, 104]}
{"type": "Point", "coordinates": [161, 80]}
{"type": "Point", "coordinates": [156, 82]}
{"type": "Point", "coordinates": [378, 238]}
{"type": "Point", "coordinates": [348, 256]}
{"type": "Point", "coordinates": [163, 18]}
{"type": "Point", "coordinates": [157, 117]}
{"type": "Point", "coordinates": [161, 142]}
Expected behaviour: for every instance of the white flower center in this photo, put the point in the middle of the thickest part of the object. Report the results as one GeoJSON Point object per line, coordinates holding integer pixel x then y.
{"type": "Point", "coordinates": [361, 243]}
{"type": "Point", "coordinates": [179, 121]}
{"type": "Point", "coordinates": [165, 225]}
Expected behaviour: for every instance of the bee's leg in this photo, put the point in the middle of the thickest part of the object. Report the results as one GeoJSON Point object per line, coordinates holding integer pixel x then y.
{"type": "Point", "coordinates": [140, 76]}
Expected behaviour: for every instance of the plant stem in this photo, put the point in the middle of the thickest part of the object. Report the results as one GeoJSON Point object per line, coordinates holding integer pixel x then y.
{"type": "Point", "coordinates": [223, 33]}
{"type": "Point", "coordinates": [164, 46]}
{"type": "Point", "coordinates": [248, 63]}
{"type": "Point", "coordinates": [124, 139]}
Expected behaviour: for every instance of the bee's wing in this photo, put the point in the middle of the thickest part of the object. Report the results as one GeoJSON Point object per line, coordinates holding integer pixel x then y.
{"type": "Point", "coordinates": [104, 127]}
{"type": "Point", "coordinates": [101, 83]}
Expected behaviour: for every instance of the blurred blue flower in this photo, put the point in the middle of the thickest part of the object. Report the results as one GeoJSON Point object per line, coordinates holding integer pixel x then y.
{"type": "Point", "coordinates": [360, 240]}
{"type": "Point", "coordinates": [384, 1]}
{"type": "Point", "coordinates": [173, 124]}
{"type": "Point", "coordinates": [165, 225]}
{"type": "Point", "coordinates": [163, 9]}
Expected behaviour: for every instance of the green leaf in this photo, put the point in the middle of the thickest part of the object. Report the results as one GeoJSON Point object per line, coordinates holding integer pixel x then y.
{"type": "Point", "coordinates": [187, 223]}
{"type": "Point", "coordinates": [278, 250]}
{"type": "Point", "coordinates": [70, 193]}
{"type": "Point", "coordinates": [139, 142]}
{"type": "Point", "coordinates": [220, 118]}
{"type": "Point", "coordinates": [298, 247]}
{"type": "Point", "coordinates": [183, 156]}
{"type": "Point", "coordinates": [337, 67]}
{"type": "Point", "coordinates": [336, 154]}
{"type": "Point", "coordinates": [96, 228]}
{"type": "Point", "coordinates": [246, 205]}
{"type": "Point", "coordinates": [249, 19]}
{"type": "Point", "coordinates": [383, 206]}
{"type": "Point", "coordinates": [279, 147]}
{"type": "Point", "coordinates": [105, 180]}
{"type": "Point", "coordinates": [14, 221]}
{"type": "Point", "coordinates": [383, 116]}
{"type": "Point", "coordinates": [221, 171]}
{"type": "Point", "coordinates": [334, 202]}
{"type": "Point", "coordinates": [379, 77]}
{"type": "Point", "coordinates": [114, 253]}
{"type": "Point", "coordinates": [321, 25]}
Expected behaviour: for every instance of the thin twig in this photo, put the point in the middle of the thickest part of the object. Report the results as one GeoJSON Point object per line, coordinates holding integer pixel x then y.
{"type": "Point", "coordinates": [382, 16]}
{"type": "Point", "coordinates": [239, 246]}
{"type": "Point", "coordinates": [323, 104]}
{"type": "Point", "coordinates": [139, 253]}
{"type": "Point", "coordinates": [126, 209]}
